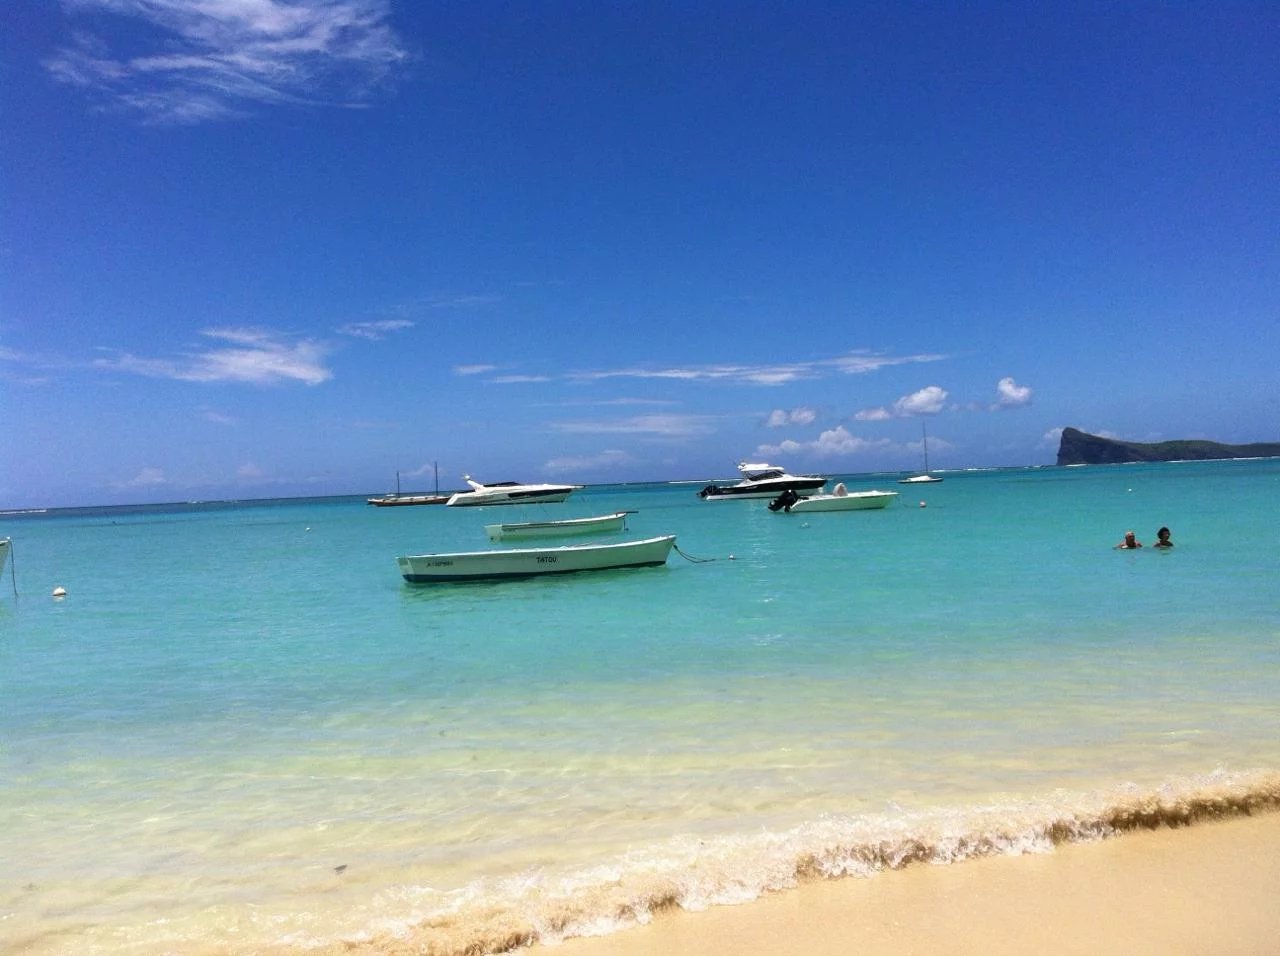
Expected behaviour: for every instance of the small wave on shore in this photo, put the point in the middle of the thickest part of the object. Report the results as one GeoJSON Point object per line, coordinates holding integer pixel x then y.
{"type": "Point", "coordinates": [495, 916]}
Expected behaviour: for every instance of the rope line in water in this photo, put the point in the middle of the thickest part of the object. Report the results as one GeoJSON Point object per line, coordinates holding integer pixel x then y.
{"type": "Point", "coordinates": [690, 558]}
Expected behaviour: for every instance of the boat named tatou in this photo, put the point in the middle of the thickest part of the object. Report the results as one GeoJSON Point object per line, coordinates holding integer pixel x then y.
{"type": "Point", "coordinates": [762, 480]}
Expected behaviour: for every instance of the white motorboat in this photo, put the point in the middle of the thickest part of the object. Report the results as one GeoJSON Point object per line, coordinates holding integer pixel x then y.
{"type": "Point", "coordinates": [509, 493]}
{"type": "Point", "coordinates": [4, 553]}
{"type": "Point", "coordinates": [761, 480]}
{"type": "Point", "coordinates": [841, 499]}
{"type": "Point", "coordinates": [924, 478]}
{"type": "Point", "coordinates": [599, 524]}
{"type": "Point", "coordinates": [531, 562]}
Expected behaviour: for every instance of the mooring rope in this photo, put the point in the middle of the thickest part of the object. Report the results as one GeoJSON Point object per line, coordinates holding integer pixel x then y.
{"type": "Point", "coordinates": [690, 558]}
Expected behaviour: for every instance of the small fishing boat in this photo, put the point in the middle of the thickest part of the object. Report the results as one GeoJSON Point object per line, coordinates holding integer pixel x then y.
{"type": "Point", "coordinates": [840, 500]}
{"type": "Point", "coordinates": [509, 493]}
{"type": "Point", "coordinates": [762, 480]}
{"type": "Point", "coordinates": [531, 562]}
{"type": "Point", "coordinates": [599, 524]}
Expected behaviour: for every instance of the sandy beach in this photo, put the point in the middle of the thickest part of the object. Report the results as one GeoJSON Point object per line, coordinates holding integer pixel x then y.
{"type": "Point", "coordinates": [1208, 889]}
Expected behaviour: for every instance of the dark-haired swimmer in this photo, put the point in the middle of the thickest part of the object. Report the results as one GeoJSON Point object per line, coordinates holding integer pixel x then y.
{"type": "Point", "coordinates": [1162, 539]}
{"type": "Point", "coordinates": [1129, 542]}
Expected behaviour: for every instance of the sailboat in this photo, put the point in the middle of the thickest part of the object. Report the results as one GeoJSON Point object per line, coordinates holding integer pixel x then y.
{"type": "Point", "coordinates": [925, 477]}
{"type": "Point", "coordinates": [399, 500]}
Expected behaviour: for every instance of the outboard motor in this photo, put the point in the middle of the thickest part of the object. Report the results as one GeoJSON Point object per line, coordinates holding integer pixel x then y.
{"type": "Point", "coordinates": [784, 500]}
{"type": "Point", "coordinates": [708, 491]}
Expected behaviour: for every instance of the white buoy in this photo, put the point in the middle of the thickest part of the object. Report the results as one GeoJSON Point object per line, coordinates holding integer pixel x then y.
{"type": "Point", "coordinates": [59, 591]}
{"type": "Point", "coordinates": [923, 505]}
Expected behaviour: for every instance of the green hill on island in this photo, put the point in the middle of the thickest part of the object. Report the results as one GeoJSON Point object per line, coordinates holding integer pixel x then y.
{"type": "Point", "coordinates": [1081, 448]}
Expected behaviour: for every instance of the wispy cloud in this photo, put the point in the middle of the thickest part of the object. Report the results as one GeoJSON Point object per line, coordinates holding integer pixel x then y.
{"type": "Point", "coordinates": [853, 363]}
{"type": "Point", "coordinates": [193, 61]}
{"type": "Point", "coordinates": [780, 417]}
{"type": "Point", "coordinates": [569, 464]}
{"type": "Point", "coordinates": [927, 401]}
{"type": "Point", "coordinates": [667, 426]}
{"type": "Point", "coordinates": [832, 443]}
{"type": "Point", "coordinates": [146, 478]}
{"type": "Point", "coordinates": [373, 331]}
{"type": "Point", "coordinates": [256, 356]}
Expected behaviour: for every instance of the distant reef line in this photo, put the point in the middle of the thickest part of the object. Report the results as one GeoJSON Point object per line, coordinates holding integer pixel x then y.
{"type": "Point", "coordinates": [1081, 448]}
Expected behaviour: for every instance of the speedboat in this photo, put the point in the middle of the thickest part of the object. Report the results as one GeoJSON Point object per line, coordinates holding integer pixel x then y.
{"type": "Point", "coordinates": [532, 562]}
{"type": "Point", "coordinates": [841, 499]}
{"type": "Point", "coordinates": [509, 493]}
{"type": "Point", "coordinates": [761, 480]}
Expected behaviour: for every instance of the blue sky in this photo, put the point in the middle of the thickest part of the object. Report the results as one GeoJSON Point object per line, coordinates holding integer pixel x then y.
{"type": "Point", "coordinates": [254, 248]}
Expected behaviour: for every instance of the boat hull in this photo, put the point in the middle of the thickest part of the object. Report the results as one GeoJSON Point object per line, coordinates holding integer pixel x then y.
{"type": "Point", "coordinates": [761, 489]}
{"type": "Point", "coordinates": [402, 501]}
{"type": "Point", "coordinates": [853, 501]}
{"type": "Point", "coordinates": [600, 524]}
{"type": "Point", "coordinates": [534, 562]}
{"type": "Point", "coordinates": [919, 480]}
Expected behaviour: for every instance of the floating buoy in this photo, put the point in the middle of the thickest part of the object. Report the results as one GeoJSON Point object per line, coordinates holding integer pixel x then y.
{"type": "Point", "coordinates": [59, 591]}
{"type": "Point", "coordinates": [923, 505]}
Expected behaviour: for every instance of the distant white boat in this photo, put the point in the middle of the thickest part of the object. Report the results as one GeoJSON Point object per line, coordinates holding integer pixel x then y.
{"type": "Point", "coordinates": [532, 562]}
{"type": "Point", "coordinates": [509, 493]}
{"type": "Point", "coordinates": [925, 478]}
{"type": "Point", "coordinates": [4, 553]}
{"type": "Point", "coordinates": [600, 524]}
{"type": "Point", "coordinates": [761, 480]}
{"type": "Point", "coordinates": [840, 500]}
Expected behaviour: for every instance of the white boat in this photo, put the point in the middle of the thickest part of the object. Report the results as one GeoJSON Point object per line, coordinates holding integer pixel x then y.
{"type": "Point", "coordinates": [841, 499]}
{"type": "Point", "coordinates": [762, 480]}
{"type": "Point", "coordinates": [4, 553]}
{"type": "Point", "coordinates": [509, 493]}
{"type": "Point", "coordinates": [401, 500]}
{"type": "Point", "coordinates": [599, 524]}
{"type": "Point", "coordinates": [923, 478]}
{"type": "Point", "coordinates": [531, 562]}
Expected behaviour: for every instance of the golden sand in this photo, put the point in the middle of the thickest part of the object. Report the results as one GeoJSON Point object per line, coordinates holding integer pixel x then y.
{"type": "Point", "coordinates": [1212, 889]}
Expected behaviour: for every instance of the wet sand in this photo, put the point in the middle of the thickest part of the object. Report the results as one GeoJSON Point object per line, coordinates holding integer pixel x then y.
{"type": "Point", "coordinates": [1208, 889]}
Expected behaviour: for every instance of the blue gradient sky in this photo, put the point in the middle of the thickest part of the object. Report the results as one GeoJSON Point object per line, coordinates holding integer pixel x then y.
{"type": "Point", "coordinates": [253, 248]}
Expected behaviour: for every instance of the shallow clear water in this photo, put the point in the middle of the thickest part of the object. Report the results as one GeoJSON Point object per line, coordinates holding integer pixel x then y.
{"type": "Point", "coordinates": [241, 730]}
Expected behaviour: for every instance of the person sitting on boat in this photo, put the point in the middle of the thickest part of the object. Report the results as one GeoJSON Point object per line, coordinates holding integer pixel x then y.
{"type": "Point", "coordinates": [1162, 539]}
{"type": "Point", "coordinates": [840, 491]}
{"type": "Point", "coordinates": [1129, 543]}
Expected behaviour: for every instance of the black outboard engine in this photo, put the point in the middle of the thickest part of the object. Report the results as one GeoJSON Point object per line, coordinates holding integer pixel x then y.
{"type": "Point", "coordinates": [708, 491]}
{"type": "Point", "coordinates": [784, 501]}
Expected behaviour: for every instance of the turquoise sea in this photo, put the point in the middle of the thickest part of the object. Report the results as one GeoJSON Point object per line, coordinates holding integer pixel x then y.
{"type": "Point", "coordinates": [241, 732]}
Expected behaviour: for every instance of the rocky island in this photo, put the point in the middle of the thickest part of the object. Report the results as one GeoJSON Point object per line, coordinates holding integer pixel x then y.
{"type": "Point", "coordinates": [1081, 448]}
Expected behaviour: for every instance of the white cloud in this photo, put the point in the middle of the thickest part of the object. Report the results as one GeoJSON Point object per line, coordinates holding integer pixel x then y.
{"type": "Point", "coordinates": [256, 356]}
{"type": "Point", "coordinates": [667, 426]}
{"type": "Point", "coordinates": [834, 442]}
{"type": "Point", "coordinates": [780, 418]}
{"type": "Point", "coordinates": [927, 401]}
{"type": "Point", "coordinates": [249, 472]}
{"type": "Point", "coordinates": [855, 363]}
{"type": "Point", "coordinates": [473, 369]}
{"type": "Point", "coordinates": [1011, 395]}
{"type": "Point", "coordinates": [373, 331]}
{"type": "Point", "coordinates": [198, 60]}
{"type": "Point", "coordinates": [570, 464]}
{"type": "Point", "coordinates": [1051, 439]}
{"type": "Point", "coordinates": [217, 417]}
{"type": "Point", "coordinates": [146, 478]}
